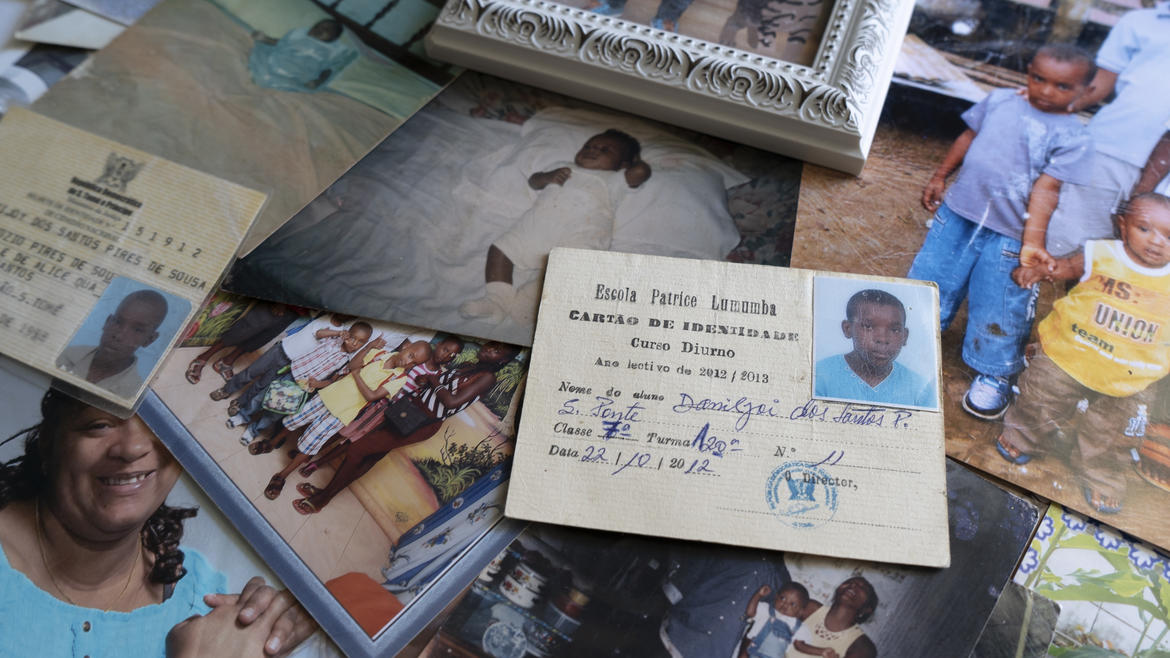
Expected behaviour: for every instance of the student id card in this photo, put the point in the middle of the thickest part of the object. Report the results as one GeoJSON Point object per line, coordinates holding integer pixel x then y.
{"type": "Point", "coordinates": [105, 253]}
{"type": "Point", "coordinates": [742, 404]}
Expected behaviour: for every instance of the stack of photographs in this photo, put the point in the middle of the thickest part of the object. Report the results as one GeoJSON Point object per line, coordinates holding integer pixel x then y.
{"type": "Point", "coordinates": [396, 182]}
{"type": "Point", "coordinates": [560, 592]}
{"type": "Point", "coordinates": [1113, 470]}
{"type": "Point", "coordinates": [1016, 406]}
{"type": "Point", "coordinates": [360, 525]}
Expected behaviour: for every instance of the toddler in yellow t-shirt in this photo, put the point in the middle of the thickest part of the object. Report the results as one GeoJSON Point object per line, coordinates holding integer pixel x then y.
{"type": "Point", "coordinates": [1100, 349]}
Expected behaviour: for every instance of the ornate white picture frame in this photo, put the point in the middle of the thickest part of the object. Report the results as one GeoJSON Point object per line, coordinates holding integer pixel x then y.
{"type": "Point", "coordinates": [824, 113]}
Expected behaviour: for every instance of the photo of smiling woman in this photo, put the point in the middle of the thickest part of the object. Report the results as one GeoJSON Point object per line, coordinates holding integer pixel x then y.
{"type": "Point", "coordinates": [873, 343]}
{"type": "Point", "coordinates": [90, 562]}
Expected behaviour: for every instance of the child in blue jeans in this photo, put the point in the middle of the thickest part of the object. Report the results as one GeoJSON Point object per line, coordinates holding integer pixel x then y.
{"type": "Point", "coordinates": [771, 626]}
{"type": "Point", "coordinates": [1015, 153]}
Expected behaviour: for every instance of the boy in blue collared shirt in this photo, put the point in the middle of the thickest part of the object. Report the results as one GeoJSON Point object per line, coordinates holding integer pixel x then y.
{"type": "Point", "coordinates": [875, 321]}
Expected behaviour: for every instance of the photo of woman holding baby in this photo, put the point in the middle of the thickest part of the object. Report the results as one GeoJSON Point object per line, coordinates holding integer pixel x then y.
{"type": "Point", "coordinates": [832, 631]}
{"type": "Point", "coordinates": [89, 552]}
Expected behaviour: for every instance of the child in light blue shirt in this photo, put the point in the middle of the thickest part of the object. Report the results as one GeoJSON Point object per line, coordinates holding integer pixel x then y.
{"type": "Point", "coordinates": [875, 321]}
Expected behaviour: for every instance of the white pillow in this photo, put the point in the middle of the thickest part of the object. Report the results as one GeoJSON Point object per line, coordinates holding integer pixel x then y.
{"type": "Point", "coordinates": [681, 211]}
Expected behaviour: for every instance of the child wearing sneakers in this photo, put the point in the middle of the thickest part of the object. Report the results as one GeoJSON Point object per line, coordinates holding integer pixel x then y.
{"type": "Point", "coordinates": [1015, 153]}
{"type": "Point", "coordinates": [1101, 348]}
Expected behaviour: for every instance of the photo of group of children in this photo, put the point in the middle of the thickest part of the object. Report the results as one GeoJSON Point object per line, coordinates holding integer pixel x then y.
{"type": "Point", "coordinates": [397, 439]}
{"type": "Point", "coordinates": [1047, 214]}
{"type": "Point", "coordinates": [297, 90]}
{"type": "Point", "coordinates": [566, 592]}
{"type": "Point", "coordinates": [448, 222]}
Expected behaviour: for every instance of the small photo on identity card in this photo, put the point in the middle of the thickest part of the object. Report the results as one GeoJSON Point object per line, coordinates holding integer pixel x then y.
{"type": "Point", "coordinates": [105, 251]}
{"type": "Point", "coordinates": [124, 336]}
{"type": "Point", "coordinates": [875, 343]}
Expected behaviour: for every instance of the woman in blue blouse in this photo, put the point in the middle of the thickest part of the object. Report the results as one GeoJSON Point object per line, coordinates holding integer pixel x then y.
{"type": "Point", "coordinates": [89, 553]}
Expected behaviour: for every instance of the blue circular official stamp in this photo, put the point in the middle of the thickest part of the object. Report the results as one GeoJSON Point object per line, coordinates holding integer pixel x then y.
{"type": "Point", "coordinates": [801, 494]}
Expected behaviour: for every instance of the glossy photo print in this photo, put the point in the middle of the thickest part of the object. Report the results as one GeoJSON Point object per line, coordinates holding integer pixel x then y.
{"type": "Point", "coordinates": [1030, 186]}
{"type": "Point", "coordinates": [564, 592]}
{"type": "Point", "coordinates": [280, 96]}
{"type": "Point", "coordinates": [1022, 624]}
{"type": "Point", "coordinates": [1112, 589]}
{"type": "Point", "coordinates": [189, 532]}
{"type": "Point", "coordinates": [449, 221]}
{"type": "Point", "coordinates": [376, 453]}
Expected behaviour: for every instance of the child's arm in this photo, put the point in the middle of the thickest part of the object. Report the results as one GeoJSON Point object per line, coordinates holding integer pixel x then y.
{"type": "Point", "coordinates": [755, 600]}
{"type": "Point", "coordinates": [473, 387]}
{"type": "Point", "coordinates": [543, 179]}
{"type": "Point", "coordinates": [1062, 269]}
{"type": "Point", "coordinates": [1157, 166]}
{"type": "Point", "coordinates": [932, 195]}
{"type": "Point", "coordinates": [1103, 84]}
{"type": "Point", "coordinates": [427, 380]}
{"type": "Point", "coordinates": [315, 384]}
{"type": "Point", "coordinates": [322, 334]}
{"type": "Point", "coordinates": [805, 647]}
{"type": "Point", "coordinates": [368, 393]}
{"type": "Point", "coordinates": [862, 647]}
{"type": "Point", "coordinates": [637, 173]}
{"type": "Point", "coordinates": [1041, 202]}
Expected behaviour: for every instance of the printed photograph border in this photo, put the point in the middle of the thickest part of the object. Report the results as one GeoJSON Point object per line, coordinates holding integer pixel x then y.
{"type": "Point", "coordinates": [342, 628]}
{"type": "Point", "coordinates": [825, 113]}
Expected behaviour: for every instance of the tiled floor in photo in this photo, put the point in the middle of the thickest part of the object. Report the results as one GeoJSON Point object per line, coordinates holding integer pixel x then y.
{"type": "Point", "coordinates": [339, 539]}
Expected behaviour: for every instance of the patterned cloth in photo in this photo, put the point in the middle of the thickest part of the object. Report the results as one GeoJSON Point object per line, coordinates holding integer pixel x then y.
{"type": "Point", "coordinates": [320, 362]}
{"type": "Point", "coordinates": [322, 425]}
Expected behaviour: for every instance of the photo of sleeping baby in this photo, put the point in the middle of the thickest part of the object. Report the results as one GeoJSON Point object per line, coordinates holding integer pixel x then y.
{"type": "Point", "coordinates": [280, 96]}
{"type": "Point", "coordinates": [1040, 209]}
{"type": "Point", "coordinates": [568, 593]}
{"type": "Point", "coordinates": [393, 440]}
{"type": "Point", "coordinates": [449, 221]}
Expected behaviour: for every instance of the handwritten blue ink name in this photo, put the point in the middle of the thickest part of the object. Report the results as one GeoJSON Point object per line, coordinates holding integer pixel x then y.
{"type": "Point", "coordinates": [743, 407]}
{"type": "Point", "coordinates": [864, 416]}
{"type": "Point", "coordinates": [603, 408]}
